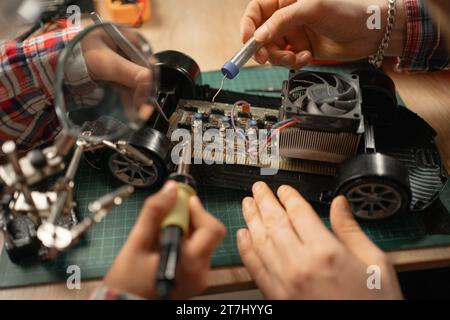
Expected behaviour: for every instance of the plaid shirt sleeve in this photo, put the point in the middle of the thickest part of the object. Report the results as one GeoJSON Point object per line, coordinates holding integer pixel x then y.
{"type": "Point", "coordinates": [425, 48]}
{"type": "Point", "coordinates": [27, 74]}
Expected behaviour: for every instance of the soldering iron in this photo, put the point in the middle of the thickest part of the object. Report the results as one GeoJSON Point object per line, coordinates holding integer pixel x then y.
{"type": "Point", "coordinates": [175, 226]}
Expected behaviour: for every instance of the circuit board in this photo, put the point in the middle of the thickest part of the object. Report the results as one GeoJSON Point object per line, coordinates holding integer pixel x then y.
{"type": "Point", "coordinates": [243, 145]}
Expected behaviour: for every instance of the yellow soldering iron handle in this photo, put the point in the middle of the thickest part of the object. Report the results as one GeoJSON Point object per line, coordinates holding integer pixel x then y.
{"type": "Point", "coordinates": [179, 214]}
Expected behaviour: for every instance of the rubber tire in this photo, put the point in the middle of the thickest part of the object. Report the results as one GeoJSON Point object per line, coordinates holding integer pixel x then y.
{"type": "Point", "coordinates": [375, 168]}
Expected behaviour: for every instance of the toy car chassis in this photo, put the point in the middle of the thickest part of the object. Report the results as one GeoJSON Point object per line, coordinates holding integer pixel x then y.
{"type": "Point", "coordinates": [347, 135]}
{"type": "Point", "coordinates": [394, 168]}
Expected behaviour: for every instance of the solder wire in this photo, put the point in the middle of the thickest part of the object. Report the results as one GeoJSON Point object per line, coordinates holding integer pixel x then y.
{"type": "Point", "coordinates": [220, 89]}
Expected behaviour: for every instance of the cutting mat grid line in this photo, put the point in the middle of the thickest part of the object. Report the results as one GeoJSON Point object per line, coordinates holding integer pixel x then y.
{"type": "Point", "coordinates": [97, 250]}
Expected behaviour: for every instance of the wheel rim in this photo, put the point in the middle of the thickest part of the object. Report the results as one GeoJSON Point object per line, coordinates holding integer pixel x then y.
{"type": "Point", "coordinates": [131, 171]}
{"type": "Point", "coordinates": [374, 200]}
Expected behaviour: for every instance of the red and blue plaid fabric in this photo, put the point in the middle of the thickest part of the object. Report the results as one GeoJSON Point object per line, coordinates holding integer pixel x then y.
{"type": "Point", "coordinates": [27, 73]}
{"type": "Point", "coordinates": [425, 49]}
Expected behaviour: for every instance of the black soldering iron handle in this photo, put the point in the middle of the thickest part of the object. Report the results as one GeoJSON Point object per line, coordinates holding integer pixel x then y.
{"type": "Point", "coordinates": [169, 248]}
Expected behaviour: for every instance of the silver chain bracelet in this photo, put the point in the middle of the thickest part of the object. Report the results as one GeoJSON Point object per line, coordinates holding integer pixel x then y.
{"type": "Point", "coordinates": [377, 59]}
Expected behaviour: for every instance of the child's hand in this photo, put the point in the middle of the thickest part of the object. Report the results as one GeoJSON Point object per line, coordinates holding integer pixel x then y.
{"type": "Point", "coordinates": [134, 269]}
{"type": "Point", "coordinates": [104, 62]}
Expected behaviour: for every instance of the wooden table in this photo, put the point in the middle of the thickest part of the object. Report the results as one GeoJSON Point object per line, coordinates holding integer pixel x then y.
{"type": "Point", "coordinates": [208, 31]}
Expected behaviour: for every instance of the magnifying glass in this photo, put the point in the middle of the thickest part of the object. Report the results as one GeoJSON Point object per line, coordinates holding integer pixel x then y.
{"type": "Point", "coordinates": [106, 83]}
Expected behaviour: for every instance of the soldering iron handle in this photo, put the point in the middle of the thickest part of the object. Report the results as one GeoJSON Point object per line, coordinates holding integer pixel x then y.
{"type": "Point", "coordinates": [169, 248]}
{"type": "Point", "coordinates": [179, 214]}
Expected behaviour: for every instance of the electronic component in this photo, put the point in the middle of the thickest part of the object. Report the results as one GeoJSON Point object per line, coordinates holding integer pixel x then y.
{"type": "Point", "coordinates": [328, 108]}
{"type": "Point", "coordinates": [225, 119]}
{"type": "Point", "coordinates": [184, 125]}
{"type": "Point", "coordinates": [190, 108]}
{"type": "Point", "coordinates": [217, 111]}
{"type": "Point", "coordinates": [253, 123]}
{"type": "Point", "coordinates": [198, 116]}
{"type": "Point", "coordinates": [243, 114]}
{"type": "Point", "coordinates": [260, 123]}
{"type": "Point", "coordinates": [270, 118]}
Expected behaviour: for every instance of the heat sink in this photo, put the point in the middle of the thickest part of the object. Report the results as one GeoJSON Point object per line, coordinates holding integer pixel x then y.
{"type": "Point", "coordinates": [322, 146]}
{"type": "Point", "coordinates": [286, 164]}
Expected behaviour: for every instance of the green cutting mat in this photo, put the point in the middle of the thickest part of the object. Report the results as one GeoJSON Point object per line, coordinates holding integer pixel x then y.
{"type": "Point", "coordinates": [97, 250]}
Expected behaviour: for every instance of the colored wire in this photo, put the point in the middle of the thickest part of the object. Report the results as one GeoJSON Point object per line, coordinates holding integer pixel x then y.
{"type": "Point", "coordinates": [138, 21]}
{"type": "Point", "coordinates": [276, 125]}
{"type": "Point", "coordinates": [280, 126]}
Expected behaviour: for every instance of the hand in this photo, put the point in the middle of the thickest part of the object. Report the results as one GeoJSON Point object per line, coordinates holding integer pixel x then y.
{"type": "Point", "coordinates": [290, 254]}
{"type": "Point", "coordinates": [294, 32]}
{"type": "Point", "coordinates": [134, 269]}
{"type": "Point", "coordinates": [441, 12]}
{"type": "Point", "coordinates": [104, 63]}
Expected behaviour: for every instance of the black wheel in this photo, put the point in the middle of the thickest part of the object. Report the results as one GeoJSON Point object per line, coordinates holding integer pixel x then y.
{"type": "Point", "coordinates": [376, 185]}
{"type": "Point", "coordinates": [134, 172]}
{"type": "Point", "coordinates": [178, 72]}
{"type": "Point", "coordinates": [138, 174]}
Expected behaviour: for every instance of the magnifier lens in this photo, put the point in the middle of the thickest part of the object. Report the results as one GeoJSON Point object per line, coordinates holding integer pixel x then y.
{"type": "Point", "coordinates": [103, 90]}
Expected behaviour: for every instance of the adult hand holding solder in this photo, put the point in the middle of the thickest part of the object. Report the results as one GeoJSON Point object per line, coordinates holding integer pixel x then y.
{"type": "Point", "coordinates": [293, 32]}
{"type": "Point", "coordinates": [135, 267]}
{"type": "Point", "coordinates": [290, 253]}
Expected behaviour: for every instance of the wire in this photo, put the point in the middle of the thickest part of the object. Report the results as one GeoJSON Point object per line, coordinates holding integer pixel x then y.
{"type": "Point", "coordinates": [282, 127]}
{"type": "Point", "coordinates": [276, 127]}
{"type": "Point", "coordinates": [220, 89]}
{"type": "Point", "coordinates": [138, 21]}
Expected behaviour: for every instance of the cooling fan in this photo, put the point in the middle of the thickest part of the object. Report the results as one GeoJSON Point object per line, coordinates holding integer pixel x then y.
{"type": "Point", "coordinates": [324, 94]}
{"type": "Point", "coordinates": [336, 98]}
{"type": "Point", "coordinates": [328, 107]}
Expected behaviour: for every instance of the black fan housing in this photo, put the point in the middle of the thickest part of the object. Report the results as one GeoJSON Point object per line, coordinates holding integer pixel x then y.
{"type": "Point", "coordinates": [323, 101]}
